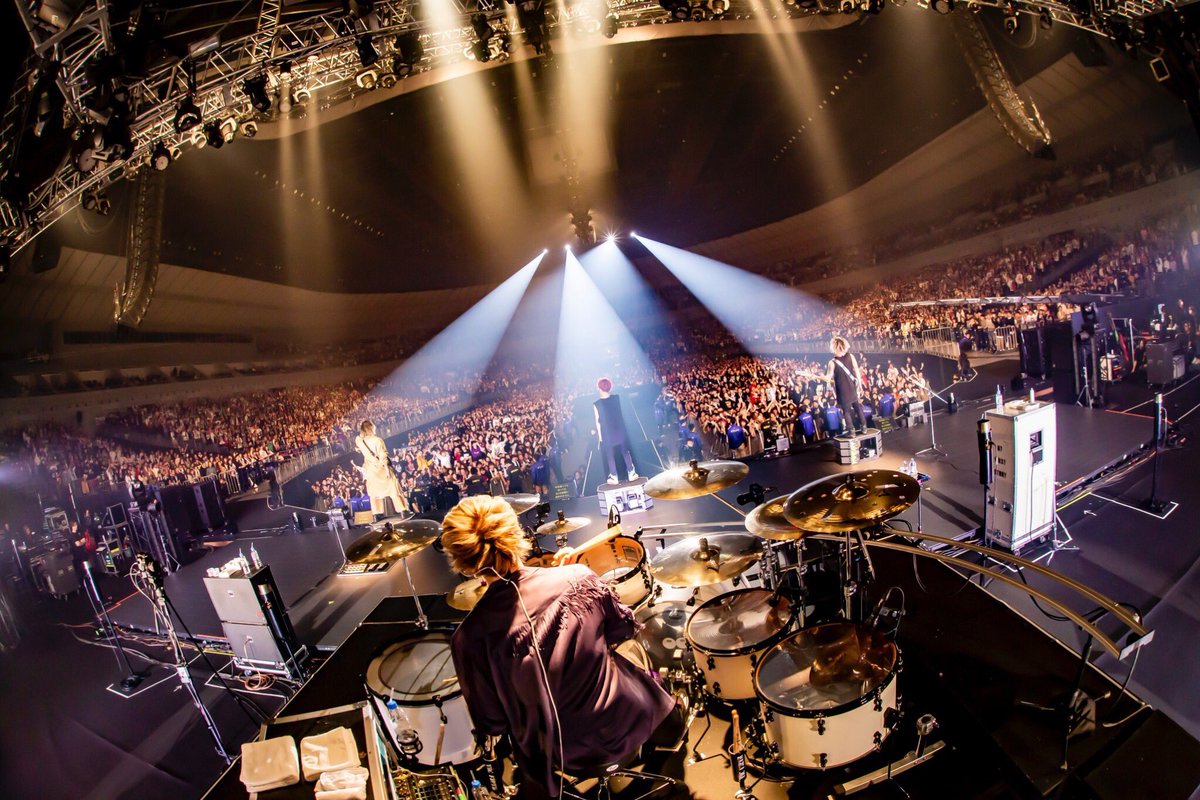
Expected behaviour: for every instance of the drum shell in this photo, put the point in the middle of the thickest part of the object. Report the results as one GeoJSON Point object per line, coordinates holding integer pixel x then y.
{"type": "Point", "coordinates": [633, 588]}
{"type": "Point", "coordinates": [729, 675]}
{"type": "Point", "coordinates": [843, 734]}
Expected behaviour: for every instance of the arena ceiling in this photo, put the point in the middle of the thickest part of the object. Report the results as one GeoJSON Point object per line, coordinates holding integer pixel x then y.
{"type": "Point", "coordinates": [701, 142]}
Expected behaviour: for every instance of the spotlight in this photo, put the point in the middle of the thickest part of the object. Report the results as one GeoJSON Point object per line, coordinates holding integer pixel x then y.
{"type": "Point", "coordinates": [612, 237]}
{"type": "Point", "coordinates": [187, 115]}
{"type": "Point", "coordinates": [199, 140]}
{"type": "Point", "coordinates": [678, 9]}
{"type": "Point", "coordinates": [229, 129]}
{"type": "Point", "coordinates": [697, 13]}
{"type": "Point", "coordinates": [409, 52]}
{"type": "Point", "coordinates": [808, 5]}
{"type": "Point", "coordinates": [387, 80]}
{"type": "Point", "coordinates": [256, 89]}
{"type": "Point", "coordinates": [367, 54]}
{"type": "Point", "coordinates": [608, 28]}
{"type": "Point", "coordinates": [872, 6]}
{"type": "Point", "coordinates": [249, 129]}
{"type": "Point", "coordinates": [95, 201]}
{"type": "Point", "coordinates": [87, 147]}
{"type": "Point", "coordinates": [301, 96]}
{"type": "Point", "coordinates": [1012, 21]}
{"type": "Point", "coordinates": [478, 51]}
{"type": "Point", "coordinates": [1045, 19]}
{"type": "Point", "coordinates": [161, 157]}
{"type": "Point", "coordinates": [367, 79]}
{"type": "Point", "coordinates": [942, 6]}
{"type": "Point", "coordinates": [848, 6]}
{"type": "Point", "coordinates": [213, 136]}
{"type": "Point", "coordinates": [718, 7]}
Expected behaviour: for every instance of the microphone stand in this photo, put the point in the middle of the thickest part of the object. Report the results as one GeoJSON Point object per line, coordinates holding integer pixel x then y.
{"type": "Point", "coordinates": [933, 450]}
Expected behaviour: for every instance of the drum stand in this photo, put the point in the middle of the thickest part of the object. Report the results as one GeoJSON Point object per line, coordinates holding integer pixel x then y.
{"type": "Point", "coordinates": [422, 620]}
{"type": "Point", "coordinates": [849, 585]}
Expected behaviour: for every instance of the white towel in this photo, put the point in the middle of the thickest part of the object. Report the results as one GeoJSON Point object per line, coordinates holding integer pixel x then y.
{"type": "Point", "coordinates": [342, 784]}
{"type": "Point", "coordinates": [270, 764]}
{"type": "Point", "coordinates": [328, 752]}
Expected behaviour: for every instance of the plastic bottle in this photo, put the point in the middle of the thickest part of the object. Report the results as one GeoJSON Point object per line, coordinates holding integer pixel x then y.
{"type": "Point", "coordinates": [999, 398]}
{"type": "Point", "coordinates": [393, 712]}
{"type": "Point", "coordinates": [243, 563]}
{"type": "Point", "coordinates": [1032, 399]}
{"type": "Point", "coordinates": [255, 561]}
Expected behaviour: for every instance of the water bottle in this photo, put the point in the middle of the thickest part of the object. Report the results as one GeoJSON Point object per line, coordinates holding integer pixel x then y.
{"type": "Point", "coordinates": [255, 561]}
{"type": "Point", "coordinates": [1032, 399]}
{"type": "Point", "coordinates": [999, 398]}
{"type": "Point", "coordinates": [393, 712]}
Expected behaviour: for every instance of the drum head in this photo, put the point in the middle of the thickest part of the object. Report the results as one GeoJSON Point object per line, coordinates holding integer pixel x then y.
{"type": "Point", "coordinates": [825, 667]}
{"type": "Point", "coordinates": [662, 633]}
{"type": "Point", "coordinates": [738, 622]}
{"type": "Point", "coordinates": [415, 670]}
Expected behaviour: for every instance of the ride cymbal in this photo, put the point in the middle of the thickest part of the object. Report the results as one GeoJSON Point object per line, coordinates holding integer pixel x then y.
{"type": "Point", "coordinates": [769, 522]}
{"type": "Point", "coordinates": [704, 560]}
{"type": "Point", "coordinates": [851, 501]}
{"type": "Point", "coordinates": [393, 539]}
{"type": "Point", "coordinates": [521, 502]}
{"type": "Point", "coordinates": [696, 479]}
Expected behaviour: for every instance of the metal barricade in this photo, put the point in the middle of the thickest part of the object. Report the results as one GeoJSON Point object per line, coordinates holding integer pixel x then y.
{"type": "Point", "coordinates": [1004, 338]}
{"type": "Point", "coordinates": [940, 342]}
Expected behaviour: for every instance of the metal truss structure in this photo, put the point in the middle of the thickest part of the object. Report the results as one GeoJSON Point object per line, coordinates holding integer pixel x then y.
{"type": "Point", "coordinates": [317, 56]}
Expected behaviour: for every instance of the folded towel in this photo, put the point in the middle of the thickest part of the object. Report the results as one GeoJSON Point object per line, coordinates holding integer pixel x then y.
{"type": "Point", "coordinates": [327, 752]}
{"type": "Point", "coordinates": [342, 784]}
{"type": "Point", "coordinates": [270, 764]}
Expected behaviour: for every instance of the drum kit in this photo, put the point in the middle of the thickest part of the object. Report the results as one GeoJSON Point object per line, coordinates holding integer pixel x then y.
{"type": "Point", "coordinates": [792, 641]}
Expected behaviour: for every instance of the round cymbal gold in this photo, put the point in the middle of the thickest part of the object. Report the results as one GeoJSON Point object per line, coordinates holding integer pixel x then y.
{"type": "Point", "coordinates": [769, 522]}
{"type": "Point", "coordinates": [393, 539]}
{"type": "Point", "coordinates": [704, 560]}
{"type": "Point", "coordinates": [467, 594]}
{"type": "Point", "coordinates": [563, 524]}
{"type": "Point", "coordinates": [696, 479]}
{"type": "Point", "coordinates": [851, 501]}
{"type": "Point", "coordinates": [521, 502]}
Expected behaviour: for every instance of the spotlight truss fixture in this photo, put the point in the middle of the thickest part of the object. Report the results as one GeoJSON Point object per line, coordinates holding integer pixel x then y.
{"type": "Point", "coordinates": [1012, 20]}
{"type": "Point", "coordinates": [187, 114]}
{"type": "Point", "coordinates": [408, 52]}
{"type": "Point", "coordinates": [161, 157]}
{"type": "Point", "coordinates": [942, 6]}
{"type": "Point", "coordinates": [213, 136]}
{"type": "Point", "coordinates": [610, 26]}
{"type": "Point", "coordinates": [367, 54]}
{"type": "Point", "coordinates": [256, 90]}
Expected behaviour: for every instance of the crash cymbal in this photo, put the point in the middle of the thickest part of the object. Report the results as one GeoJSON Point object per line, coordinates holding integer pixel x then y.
{"type": "Point", "coordinates": [851, 501]}
{"type": "Point", "coordinates": [393, 539]}
{"type": "Point", "coordinates": [563, 524]}
{"type": "Point", "coordinates": [467, 594]}
{"type": "Point", "coordinates": [696, 479]}
{"type": "Point", "coordinates": [521, 502]}
{"type": "Point", "coordinates": [704, 560]}
{"type": "Point", "coordinates": [769, 522]}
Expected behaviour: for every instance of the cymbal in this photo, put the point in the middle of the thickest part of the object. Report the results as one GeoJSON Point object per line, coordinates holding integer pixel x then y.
{"type": "Point", "coordinates": [564, 524]}
{"type": "Point", "coordinates": [467, 594]}
{"type": "Point", "coordinates": [769, 522]}
{"type": "Point", "coordinates": [703, 560]}
{"type": "Point", "coordinates": [696, 479]}
{"type": "Point", "coordinates": [521, 502]}
{"type": "Point", "coordinates": [392, 539]}
{"type": "Point", "coordinates": [851, 501]}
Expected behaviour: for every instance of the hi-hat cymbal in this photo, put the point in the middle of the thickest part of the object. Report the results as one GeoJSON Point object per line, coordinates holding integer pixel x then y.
{"type": "Point", "coordinates": [696, 479]}
{"type": "Point", "coordinates": [703, 560]}
{"type": "Point", "coordinates": [521, 502]}
{"type": "Point", "coordinates": [393, 539]}
{"type": "Point", "coordinates": [769, 522]}
{"type": "Point", "coordinates": [563, 524]}
{"type": "Point", "coordinates": [467, 594]}
{"type": "Point", "coordinates": [851, 501]}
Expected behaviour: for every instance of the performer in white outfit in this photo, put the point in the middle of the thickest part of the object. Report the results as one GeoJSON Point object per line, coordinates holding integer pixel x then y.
{"type": "Point", "coordinates": [381, 480]}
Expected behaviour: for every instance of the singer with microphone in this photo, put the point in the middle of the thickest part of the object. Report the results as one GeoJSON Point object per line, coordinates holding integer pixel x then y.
{"type": "Point", "coordinates": [535, 657]}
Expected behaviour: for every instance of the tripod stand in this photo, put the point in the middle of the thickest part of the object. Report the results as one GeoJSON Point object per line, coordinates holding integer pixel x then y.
{"type": "Point", "coordinates": [933, 449]}
{"type": "Point", "coordinates": [133, 678]}
{"type": "Point", "coordinates": [147, 570]}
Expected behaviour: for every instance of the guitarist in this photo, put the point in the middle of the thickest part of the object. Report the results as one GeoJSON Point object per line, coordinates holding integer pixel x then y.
{"type": "Point", "coordinates": [377, 470]}
{"type": "Point", "coordinates": [843, 374]}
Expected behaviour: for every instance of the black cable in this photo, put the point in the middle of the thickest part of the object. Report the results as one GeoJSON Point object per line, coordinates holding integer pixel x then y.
{"type": "Point", "coordinates": [244, 703]}
{"type": "Point", "coordinates": [1055, 617]}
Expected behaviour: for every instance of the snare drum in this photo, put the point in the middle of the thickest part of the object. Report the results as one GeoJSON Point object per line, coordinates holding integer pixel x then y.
{"type": "Point", "coordinates": [826, 693]}
{"type": "Point", "coordinates": [729, 633]}
{"type": "Point", "coordinates": [418, 673]}
{"type": "Point", "coordinates": [621, 563]}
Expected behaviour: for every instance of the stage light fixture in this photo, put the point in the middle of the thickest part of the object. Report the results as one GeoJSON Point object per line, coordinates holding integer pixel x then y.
{"type": "Point", "coordinates": [610, 26]}
{"type": "Point", "coordinates": [213, 136]}
{"type": "Point", "coordinates": [187, 115]}
{"type": "Point", "coordinates": [872, 6]}
{"type": "Point", "coordinates": [87, 147]}
{"type": "Point", "coordinates": [478, 51]}
{"type": "Point", "coordinates": [718, 8]}
{"type": "Point", "coordinates": [160, 157]}
{"type": "Point", "coordinates": [367, 79]}
{"type": "Point", "coordinates": [942, 6]}
{"type": "Point", "coordinates": [367, 54]}
{"type": "Point", "coordinates": [1045, 19]}
{"type": "Point", "coordinates": [96, 201]}
{"type": "Point", "coordinates": [301, 96]}
{"type": "Point", "coordinates": [229, 127]}
{"type": "Point", "coordinates": [249, 129]}
{"type": "Point", "coordinates": [408, 53]}
{"type": "Point", "coordinates": [199, 140]}
{"type": "Point", "coordinates": [256, 90]}
{"type": "Point", "coordinates": [847, 6]}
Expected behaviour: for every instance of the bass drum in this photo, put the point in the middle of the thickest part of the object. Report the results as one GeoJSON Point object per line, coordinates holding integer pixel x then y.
{"type": "Point", "coordinates": [826, 693]}
{"type": "Point", "coordinates": [731, 632]}
{"type": "Point", "coordinates": [418, 673]}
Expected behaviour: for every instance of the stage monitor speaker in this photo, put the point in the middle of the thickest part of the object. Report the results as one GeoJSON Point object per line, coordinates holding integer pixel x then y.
{"type": "Point", "coordinates": [1063, 361]}
{"type": "Point", "coordinates": [210, 508]}
{"type": "Point", "coordinates": [1160, 363]}
{"type": "Point", "coordinates": [1033, 352]}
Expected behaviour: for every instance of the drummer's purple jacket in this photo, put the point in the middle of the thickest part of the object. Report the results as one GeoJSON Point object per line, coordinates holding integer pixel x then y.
{"type": "Point", "coordinates": [607, 706]}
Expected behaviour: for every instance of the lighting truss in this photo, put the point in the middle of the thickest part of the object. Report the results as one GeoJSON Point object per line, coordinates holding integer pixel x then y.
{"type": "Point", "coordinates": [317, 53]}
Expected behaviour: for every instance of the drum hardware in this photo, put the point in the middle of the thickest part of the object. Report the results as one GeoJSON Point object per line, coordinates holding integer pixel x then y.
{"type": "Point", "coordinates": [853, 501]}
{"type": "Point", "coordinates": [925, 750]}
{"type": "Point", "coordinates": [561, 526]}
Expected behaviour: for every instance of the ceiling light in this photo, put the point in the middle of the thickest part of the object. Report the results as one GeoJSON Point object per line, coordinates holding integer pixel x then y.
{"type": "Point", "coordinates": [408, 53]}
{"type": "Point", "coordinates": [213, 136]}
{"type": "Point", "coordinates": [1045, 19]}
{"type": "Point", "coordinates": [249, 129]}
{"type": "Point", "coordinates": [718, 7]}
{"type": "Point", "coordinates": [187, 114]}
{"type": "Point", "coordinates": [1011, 20]}
{"type": "Point", "coordinates": [367, 54]}
{"type": "Point", "coordinates": [942, 6]}
{"type": "Point", "coordinates": [367, 79]}
{"type": "Point", "coordinates": [87, 147]}
{"type": "Point", "coordinates": [160, 157]}
{"type": "Point", "coordinates": [610, 26]}
{"type": "Point", "coordinates": [301, 96]}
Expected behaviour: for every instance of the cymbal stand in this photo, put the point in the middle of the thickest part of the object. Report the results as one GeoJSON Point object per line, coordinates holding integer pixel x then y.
{"type": "Point", "coordinates": [422, 620]}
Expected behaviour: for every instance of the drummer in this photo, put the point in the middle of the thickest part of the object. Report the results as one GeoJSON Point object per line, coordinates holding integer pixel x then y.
{"type": "Point", "coordinates": [512, 652]}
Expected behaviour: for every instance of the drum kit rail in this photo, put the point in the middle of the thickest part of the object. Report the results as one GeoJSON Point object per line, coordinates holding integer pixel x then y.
{"type": "Point", "coordinates": [775, 622]}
